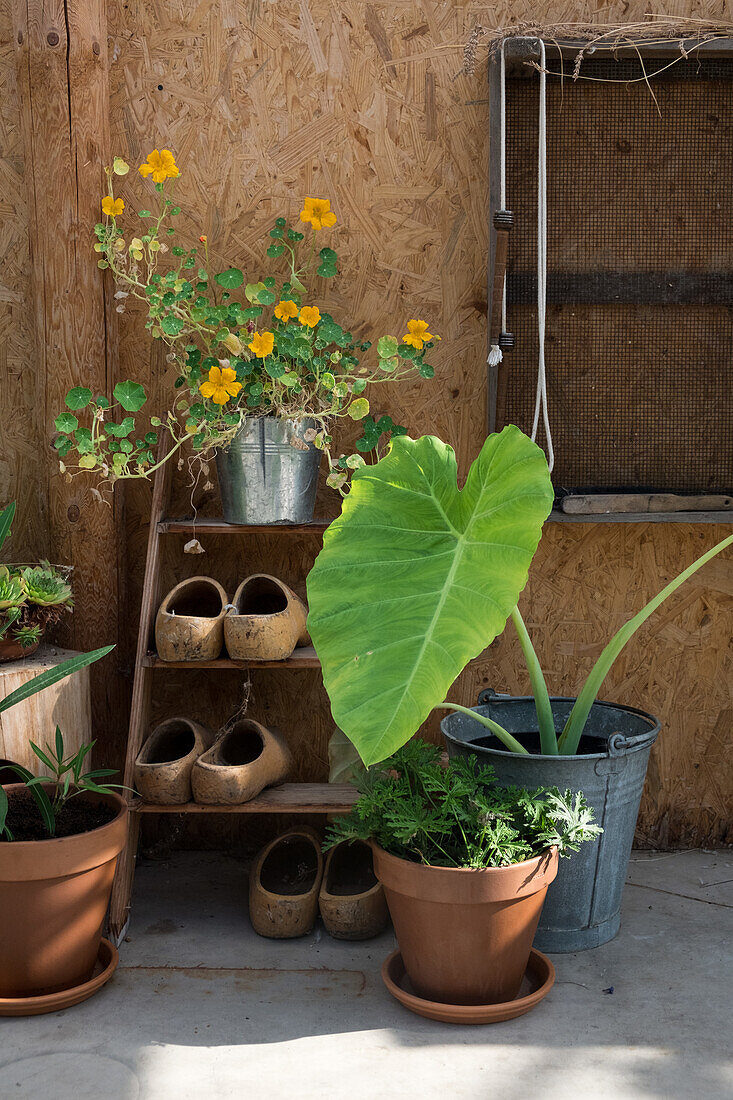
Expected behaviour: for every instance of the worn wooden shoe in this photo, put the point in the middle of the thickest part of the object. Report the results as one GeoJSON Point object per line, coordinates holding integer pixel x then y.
{"type": "Point", "coordinates": [283, 885]}
{"type": "Point", "coordinates": [352, 901]}
{"type": "Point", "coordinates": [266, 620]}
{"type": "Point", "coordinates": [189, 625]}
{"type": "Point", "coordinates": [239, 764]}
{"type": "Point", "coordinates": [164, 763]}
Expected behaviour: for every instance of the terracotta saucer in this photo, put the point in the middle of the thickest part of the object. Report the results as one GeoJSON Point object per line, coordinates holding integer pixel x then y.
{"type": "Point", "coordinates": [53, 1002]}
{"type": "Point", "coordinates": [538, 980]}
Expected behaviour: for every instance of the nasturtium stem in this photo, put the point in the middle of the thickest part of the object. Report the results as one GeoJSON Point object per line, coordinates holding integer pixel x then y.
{"type": "Point", "coordinates": [504, 736]}
{"type": "Point", "coordinates": [546, 723]}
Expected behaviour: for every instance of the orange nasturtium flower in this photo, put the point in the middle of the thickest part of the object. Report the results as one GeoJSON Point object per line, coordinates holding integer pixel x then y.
{"type": "Point", "coordinates": [112, 207]}
{"type": "Point", "coordinates": [417, 335]}
{"type": "Point", "coordinates": [318, 212]}
{"type": "Point", "coordinates": [285, 310]}
{"type": "Point", "coordinates": [262, 344]}
{"type": "Point", "coordinates": [221, 385]}
{"type": "Point", "coordinates": [310, 316]}
{"type": "Point", "coordinates": [161, 165]}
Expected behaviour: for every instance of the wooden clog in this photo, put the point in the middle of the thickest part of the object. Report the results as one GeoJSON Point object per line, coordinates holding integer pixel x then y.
{"type": "Point", "coordinates": [283, 885]}
{"type": "Point", "coordinates": [266, 621]}
{"type": "Point", "coordinates": [352, 901]}
{"type": "Point", "coordinates": [190, 622]}
{"type": "Point", "coordinates": [164, 763]}
{"type": "Point", "coordinates": [240, 763]}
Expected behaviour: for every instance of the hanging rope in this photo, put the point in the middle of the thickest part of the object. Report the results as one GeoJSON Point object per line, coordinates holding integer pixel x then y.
{"type": "Point", "coordinates": [541, 395]}
{"type": "Point", "coordinates": [495, 352]}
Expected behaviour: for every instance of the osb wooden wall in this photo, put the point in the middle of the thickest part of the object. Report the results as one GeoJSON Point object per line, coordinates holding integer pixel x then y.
{"type": "Point", "coordinates": [361, 102]}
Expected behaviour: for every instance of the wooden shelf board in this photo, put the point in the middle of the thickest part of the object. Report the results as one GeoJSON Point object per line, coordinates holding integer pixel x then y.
{"type": "Point", "coordinates": [289, 798]}
{"type": "Point", "coordinates": [304, 657]}
{"type": "Point", "coordinates": [221, 527]}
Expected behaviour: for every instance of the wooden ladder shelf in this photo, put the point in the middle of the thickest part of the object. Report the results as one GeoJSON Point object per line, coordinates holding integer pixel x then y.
{"type": "Point", "coordinates": [306, 798]}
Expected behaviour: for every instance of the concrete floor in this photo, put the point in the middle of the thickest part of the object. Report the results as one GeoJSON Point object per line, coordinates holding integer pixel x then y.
{"type": "Point", "coordinates": [203, 1009]}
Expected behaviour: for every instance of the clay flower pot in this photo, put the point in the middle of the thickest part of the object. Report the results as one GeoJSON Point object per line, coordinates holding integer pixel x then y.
{"type": "Point", "coordinates": [267, 621]}
{"type": "Point", "coordinates": [243, 761]}
{"type": "Point", "coordinates": [190, 622]}
{"type": "Point", "coordinates": [164, 764]}
{"type": "Point", "coordinates": [10, 650]}
{"type": "Point", "coordinates": [465, 935]}
{"type": "Point", "coordinates": [351, 901]}
{"type": "Point", "coordinates": [54, 899]}
{"type": "Point", "coordinates": [283, 885]}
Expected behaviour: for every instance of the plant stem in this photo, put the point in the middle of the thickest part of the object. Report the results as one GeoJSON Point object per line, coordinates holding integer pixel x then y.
{"type": "Point", "coordinates": [546, 723]}
{"type": "Point", "coordinates": [498, 731]}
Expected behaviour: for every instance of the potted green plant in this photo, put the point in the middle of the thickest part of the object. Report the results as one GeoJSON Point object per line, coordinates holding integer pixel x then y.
{"type": "Point", "coordinates": [465, 866]}
{"type": "Point", "coordinates": [261, 374]}
{"type": "Point", "coordinates": [31, 598]}
{"type": "Point", "coordinates": [416, 578]}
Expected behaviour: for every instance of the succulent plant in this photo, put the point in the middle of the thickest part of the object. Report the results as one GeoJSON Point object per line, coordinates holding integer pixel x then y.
{"type": "Point", "coordinates": [28, 636]}
{"type": "Point", "coordinates": [45, 587]}
{"type": "Point", "coordinates": [12, 589]}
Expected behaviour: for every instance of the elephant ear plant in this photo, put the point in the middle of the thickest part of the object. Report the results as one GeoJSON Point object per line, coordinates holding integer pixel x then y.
{"type": "Point", "coordinates": [417, 577]}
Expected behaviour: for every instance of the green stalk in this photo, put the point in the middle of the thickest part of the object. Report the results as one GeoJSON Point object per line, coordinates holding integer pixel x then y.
{"type": "Point", "coordinates": [546, 723]}
{"type": "Point", "coordinates": [570, 737]}
{"type": "Point", "coordinates": [498, 731]}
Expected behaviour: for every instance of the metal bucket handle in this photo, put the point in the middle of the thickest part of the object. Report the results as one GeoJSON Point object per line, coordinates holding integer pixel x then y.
{"type": "Point", "coordinates": [617, 744]}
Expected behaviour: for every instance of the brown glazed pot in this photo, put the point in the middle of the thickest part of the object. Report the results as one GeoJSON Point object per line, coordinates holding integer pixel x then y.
{"type": "Point", "coordinates": [465, 935]}
{"type": "Point", "coordinates": [189, 625]}
{"type": "Point", "coordinates": [54, 899]}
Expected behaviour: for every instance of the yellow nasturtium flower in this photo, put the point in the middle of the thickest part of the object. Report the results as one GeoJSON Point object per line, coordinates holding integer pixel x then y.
{"type": "Point", "coordinates": [262, 344]}
{"type": "Point", "coordinates": [161, 165]}
{"type": "Point", "coordinates": [417, 334]}
{"type": "Point", "coordinates": [285, 310]}
{"type": "Point", "coordinates": [112, 207]}
{"type": "Point", "coordinates": [310, 316]}
{"type": "Point", "coordinates": [318, 212]}
{"type": "Point", "coordinates": [221, 385]}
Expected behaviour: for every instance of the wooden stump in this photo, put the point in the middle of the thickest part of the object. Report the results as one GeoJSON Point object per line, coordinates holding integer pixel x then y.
{"type": "Point", "coordinates": [65, 704]}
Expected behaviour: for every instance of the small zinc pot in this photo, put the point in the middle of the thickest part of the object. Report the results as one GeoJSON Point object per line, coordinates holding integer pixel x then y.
{"type": "Point", "coordinates": [269, 473]}
{"type": "Point", "coordinates": [465, 935]}
{"type": "Point", "coordinates": [54, 900]}
{"type": "Point", "coordinates": [583, 906]}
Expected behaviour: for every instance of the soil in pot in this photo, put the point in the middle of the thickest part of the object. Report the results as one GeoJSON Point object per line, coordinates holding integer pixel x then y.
{"type": "Point", "coordinates": [589, 745]}
{"type": "Point", "coordinates": [25, 822]}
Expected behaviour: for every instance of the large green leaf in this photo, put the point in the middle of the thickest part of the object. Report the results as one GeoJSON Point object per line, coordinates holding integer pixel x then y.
{"type": "Point", "coordinates": [52, 676]}
{"type": "Point", "coordinates": [416, 578]}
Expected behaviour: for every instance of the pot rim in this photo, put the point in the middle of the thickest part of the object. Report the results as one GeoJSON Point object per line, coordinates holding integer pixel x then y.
{"type": "Point", "coordinates": [633, 743]}
{"type": "Point", "coordinates": [546, 854]}
{"type": "Point", "coordinates": [60, 856]}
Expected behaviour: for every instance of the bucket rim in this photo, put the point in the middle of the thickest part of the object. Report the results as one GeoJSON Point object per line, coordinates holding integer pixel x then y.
{"type": "Point", "coordinates": [632, 744]}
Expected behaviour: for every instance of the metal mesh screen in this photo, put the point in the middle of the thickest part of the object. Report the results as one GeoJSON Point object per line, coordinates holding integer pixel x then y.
{"type": "Point", "coordinates": [639, 345]}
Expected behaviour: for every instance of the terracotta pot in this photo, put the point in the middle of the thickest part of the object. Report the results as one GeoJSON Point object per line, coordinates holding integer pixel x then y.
{"type": "Point", "coordinates": [10, 650]}
{"type": "Point", "coordinates": [243, 761]}
{"type": "Point", "coordinates": [465, 935]}
{"type": "Point", "coordinates": [268, 621]}
{"type": "Point", "coordinates": [54, 899]}
{"type": "Point", "coordinates": [351, 901]}
{"type": "Point", "coordinates": [189, 625]}
{"type": "Point", "coordinates": [283, 885]}
{"type": "Point", "coordinates": [164, 764]}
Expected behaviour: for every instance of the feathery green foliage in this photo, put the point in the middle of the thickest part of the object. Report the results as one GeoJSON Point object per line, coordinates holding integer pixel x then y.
{"type": "Point", "coordinates": [456, 816]}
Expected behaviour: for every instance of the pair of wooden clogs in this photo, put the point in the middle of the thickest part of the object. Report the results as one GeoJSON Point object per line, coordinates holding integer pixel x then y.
{"type": "Point", "coordinates": [182, 760]}
{"type": "Point", "coordinates": [289, 883]}
{"type": "Point", "coordinates": [264, 622]}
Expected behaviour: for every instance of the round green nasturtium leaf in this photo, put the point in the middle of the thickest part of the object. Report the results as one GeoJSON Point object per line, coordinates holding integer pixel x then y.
{"type": "Point", "coordinates": [78, 398]}
{"type": "Point", "coordinates": [386, 347]}
{"type": "Point", "coordinates": [87, 462]}
{"type": "Point", "coordinates": [426, 371]}
{"type": "Point", "coordinates": [358, 409]}
{"type": "Point", "coordinates": [230, 279]}
{"type": "Point", "coordinates": [417, 577]}
{"type": "Point", "coordinates": [388, 365]}
{"type": "Point", "coordinates": [355, 462]}
{"type": "Point", "coordinates": [126, 446]}
{"type": "Point", "coordinates": [130, 395]}
{"type": "Point", "coordinates": [66, 422]}
{"type": "Point", "coordinates": [171, 326]}
{"type": "Point", "coordinates": [275, 250]}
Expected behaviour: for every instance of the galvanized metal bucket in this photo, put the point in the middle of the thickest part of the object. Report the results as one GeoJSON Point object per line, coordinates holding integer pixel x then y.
{"type": "Point", "coordinates": [583, 904]}
{"type": "Point", "coordinates": [269, 474]}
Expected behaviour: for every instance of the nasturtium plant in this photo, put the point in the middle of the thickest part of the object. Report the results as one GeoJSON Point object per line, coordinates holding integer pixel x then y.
{"type": "Point", "coordinates": [242, 347]}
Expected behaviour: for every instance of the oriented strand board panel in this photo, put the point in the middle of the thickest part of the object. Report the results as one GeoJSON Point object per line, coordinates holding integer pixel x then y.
{"type": "Point", "coordinates": [361, 102]}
